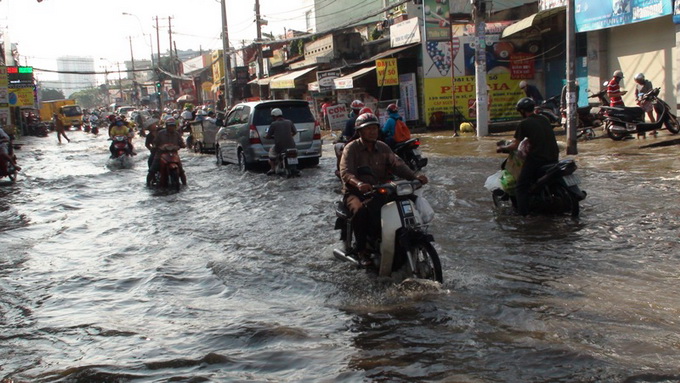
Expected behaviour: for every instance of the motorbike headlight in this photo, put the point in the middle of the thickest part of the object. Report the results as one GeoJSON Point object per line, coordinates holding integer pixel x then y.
{"type": "Point", "coordinates": [404, 189]}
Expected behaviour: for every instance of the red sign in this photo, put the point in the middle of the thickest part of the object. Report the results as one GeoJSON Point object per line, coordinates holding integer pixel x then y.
{"type": "Point", "coordinates": [521, 66]}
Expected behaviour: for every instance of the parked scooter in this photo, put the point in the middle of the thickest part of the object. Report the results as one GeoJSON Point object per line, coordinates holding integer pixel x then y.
{"type": "Point", "coordinates": [409, 152]}
{"type": "Point", "coordinates": [622, 122]}
{"type": "Point", "coordinates": [589, 117]}
{"type": "Point", "coordinates": [555, 192]}
{"type": "Point", "coordinates": [404, 247]}
{"type": "Point", "coordinates": [550, 109]}
{"type": "Point", "coordinates": [170, 173]}
{"type": "Point", "coordinates": [287, 163]}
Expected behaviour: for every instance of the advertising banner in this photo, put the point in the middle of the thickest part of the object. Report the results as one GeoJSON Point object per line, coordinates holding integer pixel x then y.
{"type": "Point", "coordinates": [21, 97]}
{"type": "Point", "coordinates": [544, 5]}
{"type": "Point", "coordinates": [337, 116]}
{"type": "Point", "coordinates": [437, 26]}
{"type": "Point", "coordinates": [409, 96]}
{"type": "Point", "coordinates": [325, 79]}
{"type": "Point", "coordinates": [387, 73]}
{"type": "Point", "coordinates": [405, 33]}
{"type": "Point", "coordinates": [591, 15]}
{"type": "Point", "coordinates": [676, 13]}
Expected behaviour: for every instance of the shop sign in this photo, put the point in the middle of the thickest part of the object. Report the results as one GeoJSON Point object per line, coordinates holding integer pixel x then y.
{"type": "Point", "coordinates": [242, 76]}
{"type": "Point", "coordinates": [325, 79]}
{"type": "Point", "coordinates": [337, 116]}
{"type": "Point", "coordinates": [4, 82]}
{"type": "Point", "coordinates": [522, 66]}
{"type": "Point", "coordinates": [437, 25]}
{"type": "Point", "coordinates": [409, 96]}
{"type": "Point", "coordinates": [544, 5]}
{"type": "Point", "coordinates": [217, 66]}
{"type": "Point", "coordinates": [404, 33]}
{"type": "Point", "coordinates": [387, 73]}
{"type": "Point", "coordinates": [21, 97]}
{"type": "Point", "coordinates": [592, 15]}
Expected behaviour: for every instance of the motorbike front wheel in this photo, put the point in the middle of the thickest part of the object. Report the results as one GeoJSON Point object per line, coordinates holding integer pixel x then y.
{"type": "Point", "coordinates": [426, 262]}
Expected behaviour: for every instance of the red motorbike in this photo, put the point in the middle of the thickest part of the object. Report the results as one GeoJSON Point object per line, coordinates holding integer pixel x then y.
{"type": "Point", "coordinates": [171, 172]}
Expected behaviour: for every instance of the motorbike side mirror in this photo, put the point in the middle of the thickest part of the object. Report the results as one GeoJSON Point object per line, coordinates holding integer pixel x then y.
{"type": "Point", "coordinates": [606, 83]}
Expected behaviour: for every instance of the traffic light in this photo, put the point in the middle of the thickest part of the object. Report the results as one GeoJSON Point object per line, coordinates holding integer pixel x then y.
{"type": "Point", "coordinates": [158, 87]}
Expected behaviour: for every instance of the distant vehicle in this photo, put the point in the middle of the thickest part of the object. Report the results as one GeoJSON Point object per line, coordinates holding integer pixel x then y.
{"type": "Point", "coordinates": [242, 140]}
{"type": "Point", "coordinates": [67, 111]}
{"type": "Point", "coordinates": [125, 110]}
{"type": "Point", "coordinates": [203, 134]}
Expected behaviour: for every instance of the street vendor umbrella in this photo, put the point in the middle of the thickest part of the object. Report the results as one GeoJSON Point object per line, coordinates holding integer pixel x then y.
{"type": "Point", "coordinates": [186, 98]}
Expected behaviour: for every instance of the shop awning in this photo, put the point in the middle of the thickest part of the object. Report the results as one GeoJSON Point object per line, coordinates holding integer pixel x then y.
{"type": "Point", "coordinates": [389, 53]}
{"type": "Point", "coordinates": [287, 80]}
{"type": "Point", "coordinates": [531, 21]}
{"type": "Point", "coordinates": [347, 81]}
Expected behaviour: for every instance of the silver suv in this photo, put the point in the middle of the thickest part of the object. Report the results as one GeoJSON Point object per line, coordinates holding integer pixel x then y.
{"type": "Point", "coordinates": [242, 140]}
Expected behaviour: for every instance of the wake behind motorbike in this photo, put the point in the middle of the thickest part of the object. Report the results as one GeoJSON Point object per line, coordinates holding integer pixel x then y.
{"type": "Point", "coordinates": [170, 173]}
{"type": "Point", "coordinates": [287, 163]}
{"type": "Point", "coordinates": [622, 122]}
{"type": "Point", "coordinates": [555, 192]}
{"type": "Point", "coordinates": [403, 247]}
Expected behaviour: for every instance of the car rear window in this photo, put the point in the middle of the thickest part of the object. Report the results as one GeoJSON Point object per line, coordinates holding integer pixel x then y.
{"type": "Point", "coordinates": [298, 113]}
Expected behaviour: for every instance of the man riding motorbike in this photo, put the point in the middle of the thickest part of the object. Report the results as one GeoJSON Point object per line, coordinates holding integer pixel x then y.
{"type": "Point", "coordinates": [282, 131]}
{"type": "Point", "coordinates": [356, 106]}
{"type": "Point", "coordinates": [119, 128]}
{"type": "Point", "coordinates": [167, 137]}
{"type": "Point", "coordinates": [365, 162]}
{"type": "Point", "coordinates": [543, 149]}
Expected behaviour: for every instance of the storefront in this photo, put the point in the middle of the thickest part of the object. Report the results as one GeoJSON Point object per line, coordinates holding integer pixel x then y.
{"type": "Point", "coordinates": [292, 85]}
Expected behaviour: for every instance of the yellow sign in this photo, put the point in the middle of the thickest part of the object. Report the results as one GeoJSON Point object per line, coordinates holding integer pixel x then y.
{"type": "Point", "coordinates": [386, 70]}
{"type": "Point", "coordinates": [217, 66]}
{"type": "Point", "coordinates": [21, 97]}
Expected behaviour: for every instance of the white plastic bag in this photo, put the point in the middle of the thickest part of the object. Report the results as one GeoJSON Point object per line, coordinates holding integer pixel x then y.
{"type": "Point", "coordinates": [424, 208]}
{"type": "Point", "coordinates": [493, 182]}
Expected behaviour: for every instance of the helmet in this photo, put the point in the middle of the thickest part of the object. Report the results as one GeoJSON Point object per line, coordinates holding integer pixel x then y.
{"type": "Point", "coordinates": [356, 104]}
{"type": "Point", "coordinates": [170, 122]}
{"type": "Point", "coordinates": [201, 112]}
{"type": "Point", "coordinates": [522, 84]}
{"type": "Point", "coordinates": [618, 73]}
{"type": "Point", "coordinates": [525, 104]}
{"type": "Point", "coordinates": [276, 112]}
{"type": "Point", "coordinates": [111, 117]}
{"type": "Point", "coordinates": [365, 109]}
{"type": "Point", "coordinates": [392, 108]}
{"type": "Point", "coordinates": [365, 120]}
{"type": "Point", "coordinates": [640, 77]}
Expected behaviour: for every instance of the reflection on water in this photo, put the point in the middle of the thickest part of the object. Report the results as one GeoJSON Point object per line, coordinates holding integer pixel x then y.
{"type": "Point", "coordinates": [233, 278]}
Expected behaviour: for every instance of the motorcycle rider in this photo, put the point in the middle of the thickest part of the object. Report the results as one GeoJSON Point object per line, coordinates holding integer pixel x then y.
{"type": "Point", "coordinates": [542, 151]}
{"type": "Point", "coordinates": [531, 91]}
{"type": "Point", "coordinates": [119, 128]}
{"type": "Point", "coordinates": [166, 137]}
{"type": "Point", "coordinates": [614, 91]}
{"type": "Point", "coordinates": [367, 161]}
{"type": "Point", "coordinates": [388, 130]}
{"type": "Point", "coordinates": [282, 131]}
{"type": "Point", "coordinates": [148, 142]}
{"type": "Point", "coordinates": [5, 157]}
{"type": "Point", "coordinates": [356, 106]}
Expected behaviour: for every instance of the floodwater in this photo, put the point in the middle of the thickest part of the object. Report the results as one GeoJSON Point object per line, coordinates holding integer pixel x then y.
{"type": "Point", "coordinates": [233, 280]}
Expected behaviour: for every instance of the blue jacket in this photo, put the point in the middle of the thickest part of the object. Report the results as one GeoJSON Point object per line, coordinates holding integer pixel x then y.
{"type": "Point", "coordinates": [388, 129]}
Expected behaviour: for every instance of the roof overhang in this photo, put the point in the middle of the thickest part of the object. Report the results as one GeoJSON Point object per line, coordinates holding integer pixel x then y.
{"type": "Point", "coordinates": [287, 80]}
{"type": "Point", "coordinates": [531, 21]}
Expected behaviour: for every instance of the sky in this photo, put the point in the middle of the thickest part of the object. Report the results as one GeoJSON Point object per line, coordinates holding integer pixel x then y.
{"type": "Point", "coordinates": [98, 29]}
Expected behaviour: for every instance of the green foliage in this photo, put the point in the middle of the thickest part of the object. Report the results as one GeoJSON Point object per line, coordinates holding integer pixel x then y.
{"type": "Point", "coordinates": [376, 34]}
{"type": "Point", "coordinates": [89, 98]}
{"type": "Point", "coordinates": [51, 94]}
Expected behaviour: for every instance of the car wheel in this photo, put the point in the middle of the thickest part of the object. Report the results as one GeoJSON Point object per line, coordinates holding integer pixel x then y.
{"type": "Point", "coordinates": [218, 154]}
{"type": "Point", "coordinates": [242, 164]}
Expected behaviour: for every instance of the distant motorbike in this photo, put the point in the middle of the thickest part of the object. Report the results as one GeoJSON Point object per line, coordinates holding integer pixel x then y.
{"type": "Point", "coordinates": [39, 129]}
{"type": "Point", "coordinates": [409, 152]}
{"type": "Point", "coordinates": [621, 122]}
{"type": "Point", "coordinates": [403, 247]}
{"type": "Point", "coordinates": [287, 163]}
{"type": "Point", "coordinates": [555, 192]}
{"type": "Point", "coordinates": [122, 153]}
{"type": "Point", "coordinates": [170, 174]}
{"type": "Point", "coordinates": [550, 109]}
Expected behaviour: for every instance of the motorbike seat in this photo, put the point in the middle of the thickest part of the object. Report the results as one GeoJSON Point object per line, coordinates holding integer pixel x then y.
{"type": "Point", "coordinates": [405, 143]}
{"type": "Point", "coordinates": [563, 167]}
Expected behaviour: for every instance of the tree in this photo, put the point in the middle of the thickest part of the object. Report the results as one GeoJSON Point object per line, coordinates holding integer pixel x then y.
{"type": "Point", "coordinates": [47, 94]}
{"type": "Point", "coordinates": [89, 98]}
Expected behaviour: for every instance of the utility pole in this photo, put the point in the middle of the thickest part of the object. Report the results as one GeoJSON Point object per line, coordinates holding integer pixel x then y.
{"type": "Point", "coordinates": [225, 57]}
{"type": "Point", "coordinates": [134, 78]}
{"type": "Point", "coordinates": [571, 83]}
{"type": "Point", "coordinates": [478, 15]}
{"type": "Point", "coordinates": [120, 83]}
{"type": "Point", "coordinates": [258, 24]}
{"type": "Point", "coordinates": [172, 61]}
{"type": "Point", "coordinates": [158, 71]}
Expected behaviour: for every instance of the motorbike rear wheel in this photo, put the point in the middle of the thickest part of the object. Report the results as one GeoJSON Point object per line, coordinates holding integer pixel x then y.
{"type": "Point", "coordinates": [614, 135]}
{"type": "Point", "coordinates": [174, 179]}
{"type": "Point", "coordinates": [427, 263]}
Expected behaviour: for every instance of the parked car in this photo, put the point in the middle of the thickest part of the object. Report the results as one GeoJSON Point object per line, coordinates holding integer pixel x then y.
{"type": "Point", "coordinates": [242, 140]}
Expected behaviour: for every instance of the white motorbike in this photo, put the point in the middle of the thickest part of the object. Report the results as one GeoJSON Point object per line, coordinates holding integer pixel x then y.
{"type": "Point", "coordinates": [404, 246]}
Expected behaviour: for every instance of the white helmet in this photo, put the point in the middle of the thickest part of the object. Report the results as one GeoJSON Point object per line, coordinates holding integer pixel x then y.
{"type": "Point", "coordinates": [276, 112]}
{"type": "Point", "coordinates": [618, 73]}
{"type": "Point", "coordinates": [640, 77]}
{"type": "Point", "coordinates": [522, 84]}
{"type": "Point", "coordinates": [201, 112]}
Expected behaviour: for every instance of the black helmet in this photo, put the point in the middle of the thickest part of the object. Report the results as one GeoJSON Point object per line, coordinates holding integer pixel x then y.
{"type": "Point", "coordinates": [526, 104]}
{"type": "Point", "coordinates": [366, 119]}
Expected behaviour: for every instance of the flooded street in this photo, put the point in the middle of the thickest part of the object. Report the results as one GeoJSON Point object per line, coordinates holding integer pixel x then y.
{"type": "Point", "coordinates": [233, 279]}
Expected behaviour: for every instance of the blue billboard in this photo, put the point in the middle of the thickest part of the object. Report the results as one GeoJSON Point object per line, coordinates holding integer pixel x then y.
{"type": "Point", "coordinates": [599, 14]}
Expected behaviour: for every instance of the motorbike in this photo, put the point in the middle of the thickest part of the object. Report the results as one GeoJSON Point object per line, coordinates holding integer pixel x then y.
{"type": "Point", "coordinates": [556, 191]}
{"type": "Point", "coordinates": [550, 109]}
{"type": "Point", "coordinates": [409, 152]}
{"type": "Point", "coordinates": [621, 122]}
{"type": "Point", "coordinates": [121, 152]}
{"type": "Point", "coordinates": [403, 247]}
{"type": "Point", "coordinates": [11, 170]}
{"type": "Point", "coordinates": [287, 163]}
{"type": "Point", "coordinates": [170, 173]}
{"type": "Point", "coordinates": [589, 117]}
{"type": "Point", "coordinates": [95, 129]}
{"type": "Point", "coordinates": [86, 127]}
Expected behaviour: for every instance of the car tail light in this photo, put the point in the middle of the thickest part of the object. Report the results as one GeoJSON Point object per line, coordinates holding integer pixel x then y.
{"type": "Point", "coordinates": [253, 135]}
{"type": "Point", "coordinates": [317, 131]}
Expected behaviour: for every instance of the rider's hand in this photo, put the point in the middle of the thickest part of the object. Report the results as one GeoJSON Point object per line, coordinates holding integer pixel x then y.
{"type": "Point", "coordinates": [364, 187]}
{"type": "Point", "coordinates": [423, 179]}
